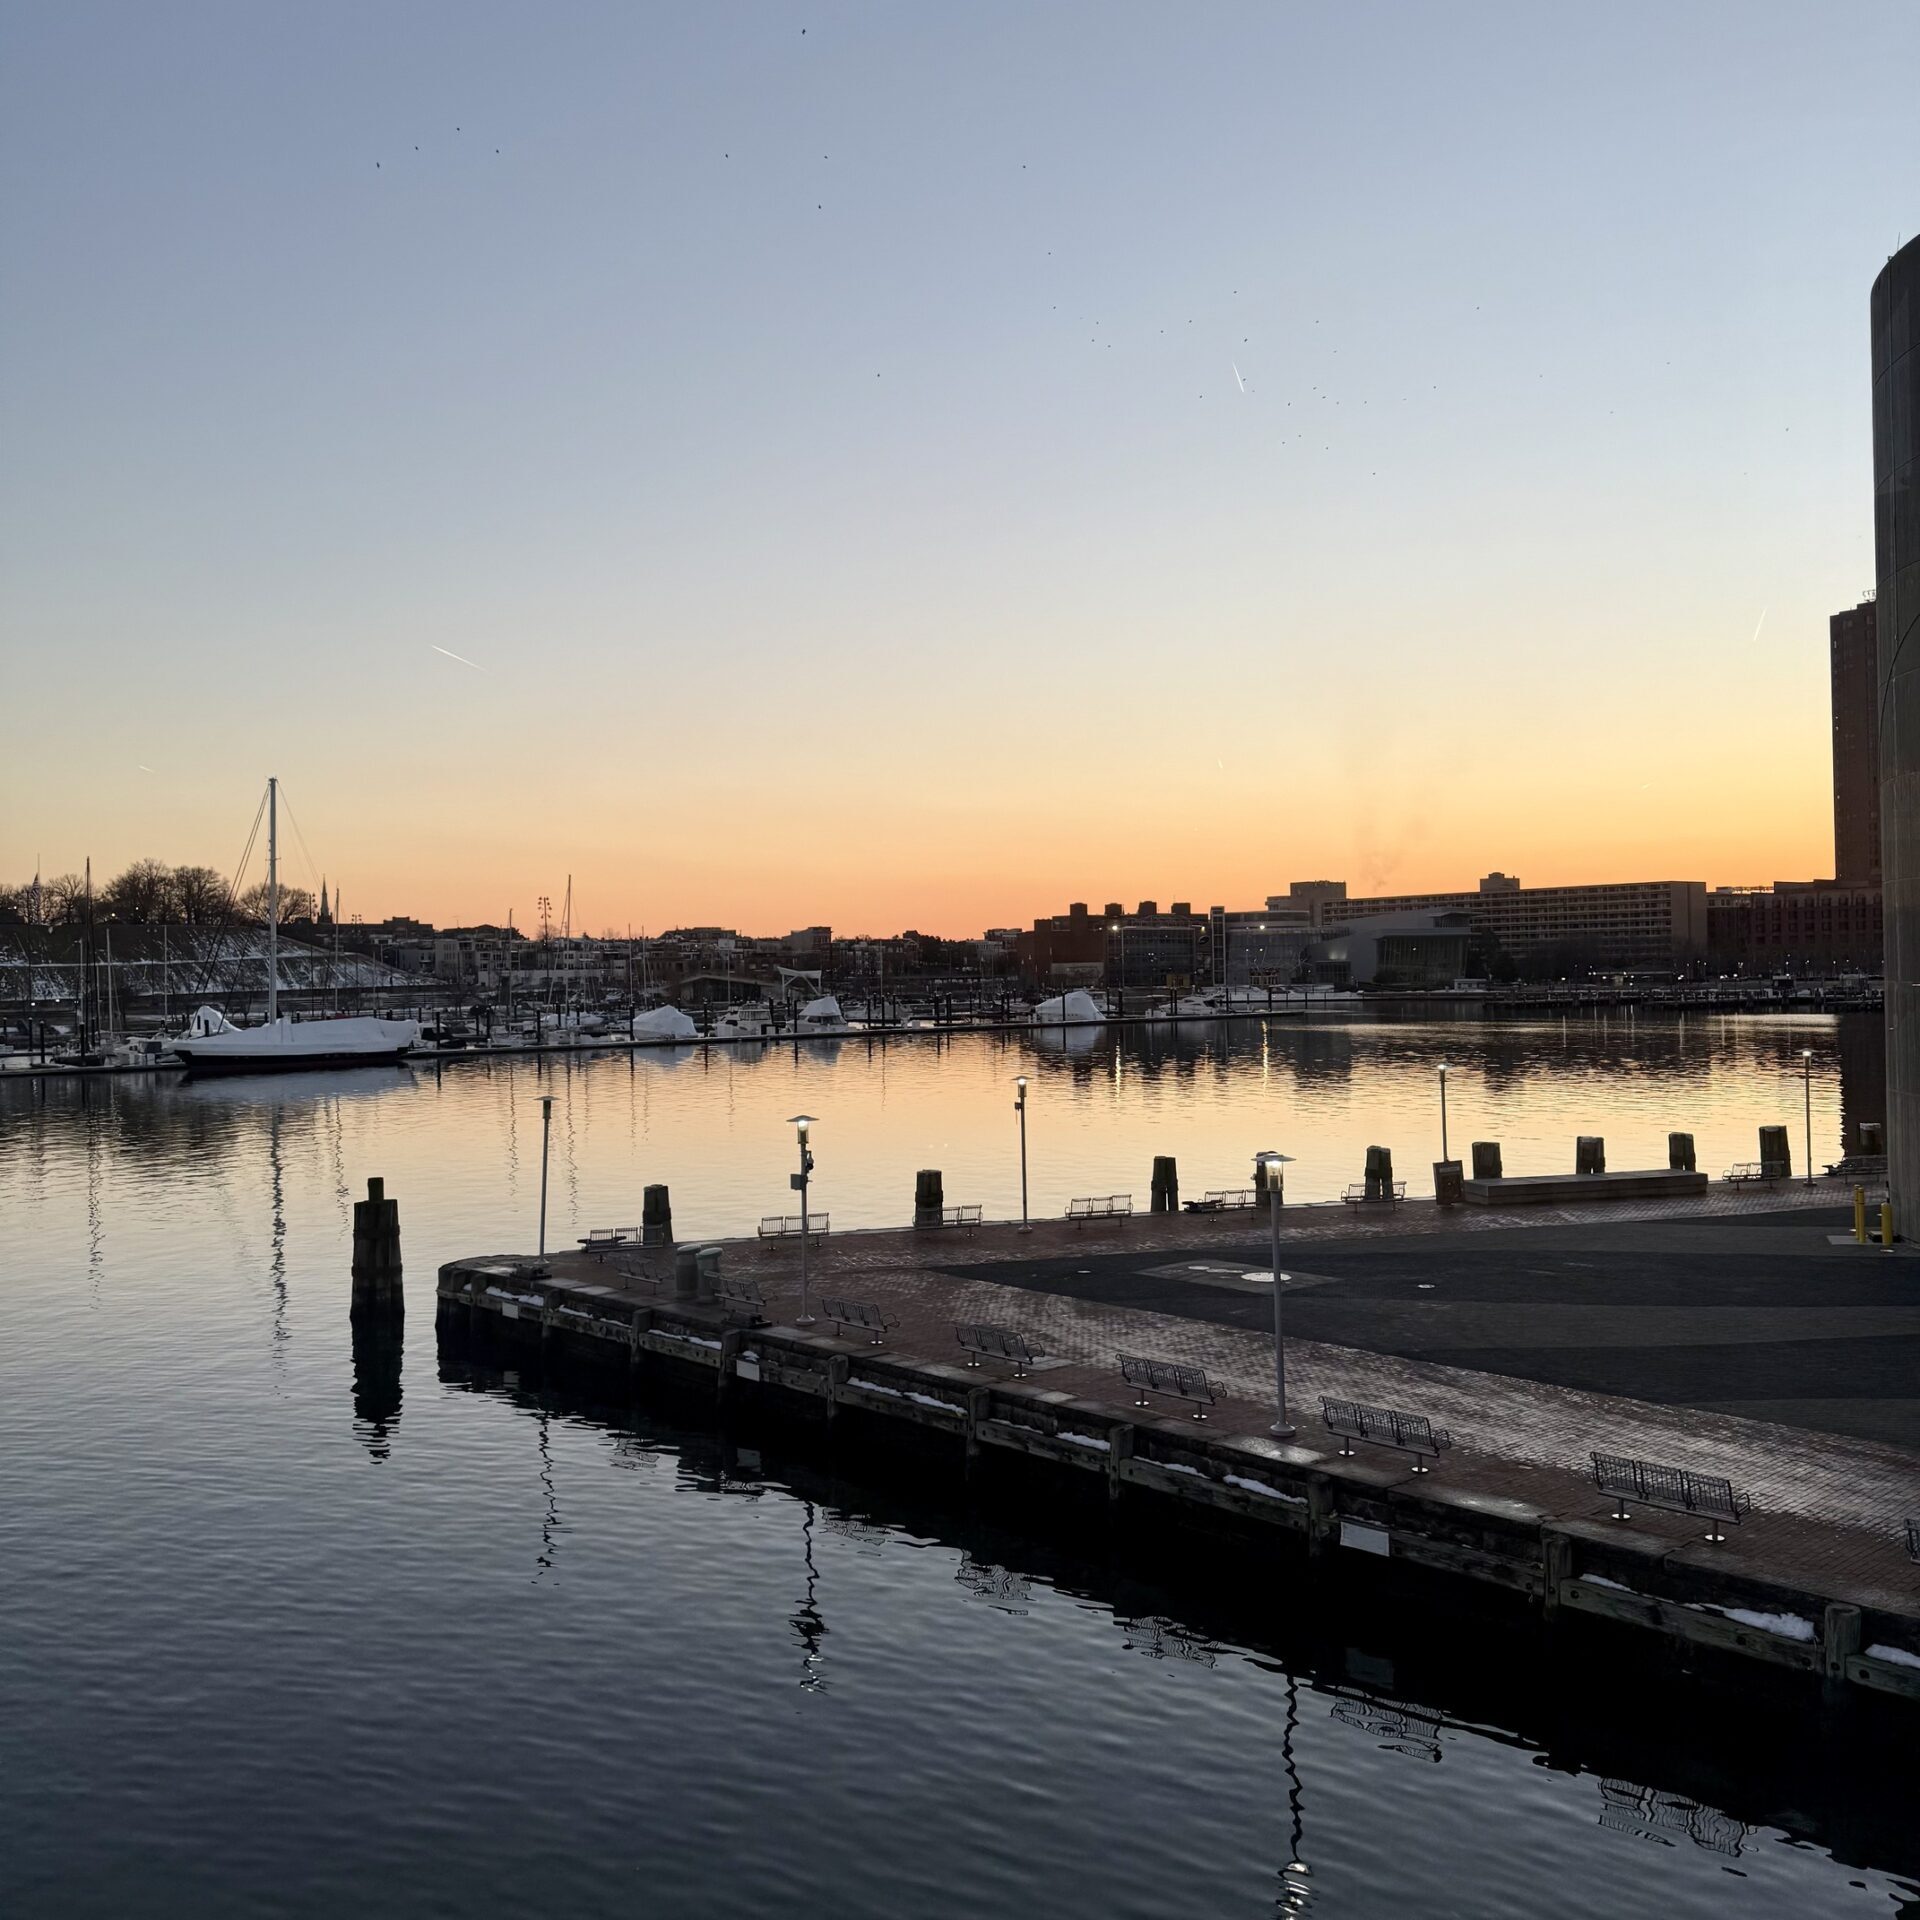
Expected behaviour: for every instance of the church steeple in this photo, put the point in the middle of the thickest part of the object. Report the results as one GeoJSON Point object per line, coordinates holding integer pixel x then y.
{"type": "Point", "coordinates": [326, 915]}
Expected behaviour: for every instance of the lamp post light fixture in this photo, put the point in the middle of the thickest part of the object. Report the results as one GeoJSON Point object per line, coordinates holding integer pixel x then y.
{"type": "Point", "coordinates": [1020, 1107]}
{"type": "Point", "coordinates": [1271, 1163]}
{"type": "Point", "coordinates": [546, 1132]}
{"type": "Point", "coordinates": [1444, 1154]}
{"type": "Point", "coordinates": [798, 1182]}
{"type": "Point", "coordinates": [1806, 1080]}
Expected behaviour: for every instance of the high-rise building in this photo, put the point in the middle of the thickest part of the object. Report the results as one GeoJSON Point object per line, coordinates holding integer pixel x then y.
{"type": "Point", "coordinates": [1856, 746]}
{"type": "Point", "coordinates": [1894, 328]}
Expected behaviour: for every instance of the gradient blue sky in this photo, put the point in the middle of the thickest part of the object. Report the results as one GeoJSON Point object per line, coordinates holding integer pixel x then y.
{"type": "Point", "coordinates": [829, 445]}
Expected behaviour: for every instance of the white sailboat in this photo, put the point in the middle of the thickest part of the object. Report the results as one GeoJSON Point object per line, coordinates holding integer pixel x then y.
{"type": "Point", "coordinates": [213, 1044]}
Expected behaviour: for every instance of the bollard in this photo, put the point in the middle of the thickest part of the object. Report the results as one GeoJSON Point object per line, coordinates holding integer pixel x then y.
{"type": "Point", "coordinates": [1486, 1160]}
{"type": "Point", "coordinates": [686, 1273]}
{"type": "Point", "coordinates": [929, 1198]}
{"type": "Point", "coordinates": [1379, 1177]}
{"type": "Point", "coordinates": [376, 1253]}
{"type": "Point", "coordinates": [1680, 1153]}
{"type": "Point", "coordinates": [1886, 1223]}
{"type": "Point", "coordinates": [707, 1265]}
{"type": "Point", "coordinates": [1447, 1182]}
{"type": "Point", "coordinates": [1860, 1216]}
{"type": "Point", "coordinates": [1166, 1184]}
{"type": "Point", "coordinates": [656, 1218]}
{"type": "Point", "coordinates": [1776, 1156]}
{"type": "Point", "coordinates": [1589, 1154]}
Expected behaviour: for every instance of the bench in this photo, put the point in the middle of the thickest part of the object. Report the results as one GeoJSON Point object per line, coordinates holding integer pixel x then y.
{"type": "Point", "coordinates": [1913, 1539]}
{"type": "Point", "coordinates": [1412, 1433]}
{"type": "Point", "coordinates": [858, 1313]}
{"type": "Point", "coordinates": [742, 1300]}
{"type": "Point", "coordinates": [1112, 1206]}
{"type": "Point", "coordinates": [1710, 1495]}
{"type": "Point", "coordinates": [788, 1226]}
{"type": "Point", "coordinates": [601, 1241]}
{"type": "Point", "coordinates": [981, 1340]}
{"type": "Point", "coordinates": [1225, 1201]}
{"type": "Point", "coordinates": [965, 1217]}
{"type": "Point", "coordinates": [1751, 1171]}
{"type": "Point", "coordinates": [1360, 1197]}
{"type": "Point", "coordinates": [631, 1271]}
{"type": "Point", "coordinates": [1146, 1375]}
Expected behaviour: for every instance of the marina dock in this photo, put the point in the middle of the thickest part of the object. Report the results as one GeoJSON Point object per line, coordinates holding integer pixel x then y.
{"type": "Point", "coordinates": [1817, 1579]}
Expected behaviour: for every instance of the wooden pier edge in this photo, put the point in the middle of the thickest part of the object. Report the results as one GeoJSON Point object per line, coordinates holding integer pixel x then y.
{"type": "Point", "coordinates": [1563, 1564]}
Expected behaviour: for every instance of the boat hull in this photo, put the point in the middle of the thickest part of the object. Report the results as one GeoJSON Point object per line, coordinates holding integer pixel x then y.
{"type": "Point", "coordinates": [198, 1061]}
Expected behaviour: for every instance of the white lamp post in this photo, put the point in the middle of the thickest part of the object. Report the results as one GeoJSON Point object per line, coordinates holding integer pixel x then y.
{"type": "Point", "coordinates": [1020, 1107]}
{"type": "Point", "coordinates": [1444, 1154]}
{"type": "Point", "coordinates": [1806, 1077]}
{"type": "Point", "coordinates": [1282, 1428]}
{"type": "Point", "coordinates": [798, 1181]}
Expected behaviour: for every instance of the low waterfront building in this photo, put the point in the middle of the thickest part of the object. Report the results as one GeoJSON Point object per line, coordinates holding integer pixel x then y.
{"type": "Point", "coordinates": [1812, 927]}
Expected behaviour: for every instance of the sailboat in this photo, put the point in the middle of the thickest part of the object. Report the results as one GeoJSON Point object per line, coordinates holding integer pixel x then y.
{"type": "Point", "coordinates": [213, 1044]}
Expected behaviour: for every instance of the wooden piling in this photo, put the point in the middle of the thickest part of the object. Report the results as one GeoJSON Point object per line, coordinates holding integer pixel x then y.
{"type": "Point", "coordinates": [376, 1253]}
{"type": "Point", "coordinates": [1166, 1184]}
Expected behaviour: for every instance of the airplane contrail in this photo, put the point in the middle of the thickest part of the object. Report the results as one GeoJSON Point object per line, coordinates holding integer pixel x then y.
{"type": "Point", "coordinates": [1236, 375]}
{"type": "Point", "coordinates": [1761, 622]}
{"type": "Point", "coordinates": [461, 657]}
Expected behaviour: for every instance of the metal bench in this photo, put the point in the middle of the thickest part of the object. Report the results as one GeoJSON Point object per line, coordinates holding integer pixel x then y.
{"type": "Point", "coordinates": [1748, 1172]}
{"type": "Point", "coordinates": [858, 1313]}
{"type": "Point", "coordinates": [1412, 1433]}
{"type": "Point", "coordinates": [787, 1226]}
{"type": "Point", "coordinates": [742, 1300]}
{"type": "Point", "coordinates": [982, 1340]}
{"type": "Point", "coordinates": [1225, 1201]}
{"type": "Point", "coordinates": [1360, 1197]}
{"type": "Point", "coordinates": [1111, 1206]}
{"type": "Point", "coordinates": [964, 1217]}
{"type": "Point", "coordinates": [1709, 1495]}
{"type": "Point", "coordinates": [1146, 1375]}
{"type": "Point", "coordinates": [601, 1241]}
{"type": "Point", "coordinates": [631, 1270]}
{"type": "Point", "coordinates": [1913, 1539]}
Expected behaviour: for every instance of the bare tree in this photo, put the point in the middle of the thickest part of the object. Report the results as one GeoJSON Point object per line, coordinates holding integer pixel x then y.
{"type": "Point", "coordinates": [143, 893]}
{"type": "Point", "coordinates": [64, 898]}
{"type": "Point", "coordinates": [296, 903]}
{"type": "Point", "coordinates": [199, 895]}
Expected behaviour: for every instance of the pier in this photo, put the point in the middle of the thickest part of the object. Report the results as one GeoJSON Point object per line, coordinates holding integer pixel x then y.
{"type": "Point", "coordinates": [1811, 1573]}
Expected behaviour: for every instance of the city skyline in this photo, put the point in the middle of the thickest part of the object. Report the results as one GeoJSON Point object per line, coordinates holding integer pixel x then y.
{"type": "Point", "coordinates": [748, 471]}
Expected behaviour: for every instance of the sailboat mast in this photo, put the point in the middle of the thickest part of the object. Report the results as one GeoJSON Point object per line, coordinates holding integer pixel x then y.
{"type": "Point", "coordinates": [273, 900]}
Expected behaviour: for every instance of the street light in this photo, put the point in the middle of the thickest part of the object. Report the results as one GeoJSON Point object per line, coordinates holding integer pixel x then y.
{"type": "Point", "coordinates": [546, 1129]}
{"type": "Point", "coordinates": [1806, 1077]}
{"type": "Point", "coordinates": [1020, 1107]}
{"type": "Point", "coordinates": [1444, 1154]}
{"type": "Point", "coordinates": [798, 1181]}
{"type": "Point", "coordinates": [1270, 1164]}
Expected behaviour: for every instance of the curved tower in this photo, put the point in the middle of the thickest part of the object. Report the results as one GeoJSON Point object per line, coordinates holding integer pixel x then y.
{"type": "Point", "coordinates": [1896, 521]}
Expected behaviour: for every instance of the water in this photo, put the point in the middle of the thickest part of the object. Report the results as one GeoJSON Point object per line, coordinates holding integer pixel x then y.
{"type": "Point", "coordinates": [280, 1640]}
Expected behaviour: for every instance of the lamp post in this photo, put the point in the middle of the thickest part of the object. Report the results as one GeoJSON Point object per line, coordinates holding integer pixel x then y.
{"type": "Point", "coordinates": [1444, 1154]}
{"type": "Point", "coordinates": [1282, 1428]}
{"type": "Point", "coordinates": [798, 1181]}
{"type": "Point", "coordinates": [1020, 1107]}
{"type": "Point", "coordinates": [1806, 1080]}
{"type": "Point", "coordinates": [546, 1130]}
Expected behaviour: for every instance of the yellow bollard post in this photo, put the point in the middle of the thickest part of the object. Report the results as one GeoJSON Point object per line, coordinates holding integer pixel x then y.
{"type": "Point", "coordinates": [1886, 1223]}
{"type": "Point", "coordinates": [1860, 1215]}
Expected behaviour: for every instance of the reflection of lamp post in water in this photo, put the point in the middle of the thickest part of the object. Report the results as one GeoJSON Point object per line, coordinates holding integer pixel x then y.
{"type": "Point", "coordinates": [808, 1623]}
{"type": "Point", "coordinates": [546, 1131]}
{"type": "Point", "coordinates": [1806, 1076]}
{"type": "Point", "coordinates": [1270, 1165]}
{"type": "Point", "coordinates": [1294, 1888]}
{"type": "Point", "coordinates": [798, 1181]}
{"type": "Point", "coordinates": [1020, 1107]}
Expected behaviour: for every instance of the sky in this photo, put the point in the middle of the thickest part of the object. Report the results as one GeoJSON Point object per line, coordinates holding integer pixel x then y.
{"type": "Point", "coordinates": [916, 466]}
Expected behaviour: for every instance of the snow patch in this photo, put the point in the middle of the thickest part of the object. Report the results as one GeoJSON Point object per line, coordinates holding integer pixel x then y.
{"type": "Point", "coordinates": [1789, 1626]}
{"type": "Point", "coordinates": [1898, 1656]}
{"type": "Point", "coordinates": [1616, 1586]}
{"type": "Point", "coordinates": [1085, 1440]}
{"type": "Point", "coordinates": [1260, 1486]}
{"type": "Point", "coordinates": [1175, 1466]}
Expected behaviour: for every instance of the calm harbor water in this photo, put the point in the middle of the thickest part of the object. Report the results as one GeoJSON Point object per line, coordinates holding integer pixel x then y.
{"type": "Point", "coordinates": [285, 1632]}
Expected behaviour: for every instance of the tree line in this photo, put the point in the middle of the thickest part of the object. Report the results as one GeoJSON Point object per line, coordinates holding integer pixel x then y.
{"type": "Point", "coordinates": [150, 893]}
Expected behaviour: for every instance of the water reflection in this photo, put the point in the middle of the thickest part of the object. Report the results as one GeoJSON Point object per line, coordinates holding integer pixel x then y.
{"type": "Point", "coordinates": [379, 1344]}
